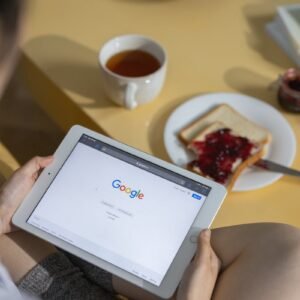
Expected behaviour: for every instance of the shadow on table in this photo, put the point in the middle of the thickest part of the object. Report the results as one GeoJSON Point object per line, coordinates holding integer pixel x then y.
{"type": "Point", "coordinates": [147, 1]}
{"type": "Point", "coordinates": [157, 126]}
{"type": "Point", "coordinates": [72, 66]}
{"type": "Point", "coordinates": [253, 84]}
{"type": "Point", "coordinates": [258, 15]}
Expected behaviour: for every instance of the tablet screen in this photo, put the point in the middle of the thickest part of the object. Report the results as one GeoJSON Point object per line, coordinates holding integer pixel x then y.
{"type": "Point", "coordinates": [120, 208]}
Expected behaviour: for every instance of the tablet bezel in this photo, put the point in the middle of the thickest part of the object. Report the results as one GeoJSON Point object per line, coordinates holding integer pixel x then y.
{"type": "Point", "coordinates": [185, 253]}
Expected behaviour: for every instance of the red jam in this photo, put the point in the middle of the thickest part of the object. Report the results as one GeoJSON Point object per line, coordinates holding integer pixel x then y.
{"type": "Point", "coordinates": [218, 152]}
{"type": "Point", "coordinates": [289, 90]}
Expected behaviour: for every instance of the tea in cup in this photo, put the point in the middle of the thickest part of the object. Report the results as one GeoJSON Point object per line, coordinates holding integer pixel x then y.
{"type": "Point", "coordinates": [133, 69]}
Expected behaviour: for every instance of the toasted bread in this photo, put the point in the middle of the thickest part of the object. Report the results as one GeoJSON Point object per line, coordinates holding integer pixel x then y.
{"type": "Point", "coordinates": [224, 117]}
{"type": "Point", "coordinates": [231, 119]}
{"type": "Point", "coordinates": [219, 156]}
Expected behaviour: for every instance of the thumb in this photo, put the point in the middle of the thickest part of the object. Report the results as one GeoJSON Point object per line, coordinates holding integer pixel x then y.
{"type": "Point", "coordinates": [36, 164]}
{"type": "Point", "coordinates": [204, 247]}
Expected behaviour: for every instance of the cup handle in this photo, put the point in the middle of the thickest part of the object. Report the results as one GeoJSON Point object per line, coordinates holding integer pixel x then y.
{"type": "Point", "coordinates": [129, 101]}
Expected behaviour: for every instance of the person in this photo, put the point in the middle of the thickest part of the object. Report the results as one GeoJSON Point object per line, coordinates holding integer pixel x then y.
{"type": "Point", "coordinates": [254, 261]}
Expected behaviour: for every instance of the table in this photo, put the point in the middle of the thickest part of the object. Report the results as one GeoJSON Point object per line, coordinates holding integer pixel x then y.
{"type": "Point", "coordinates": [8, 164]}
{"type": "Point", "coordinates": [212, 46]}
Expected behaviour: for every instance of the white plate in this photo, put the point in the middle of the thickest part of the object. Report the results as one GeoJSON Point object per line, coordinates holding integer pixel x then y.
{"type": "Point", "coordinates": [281, 150]}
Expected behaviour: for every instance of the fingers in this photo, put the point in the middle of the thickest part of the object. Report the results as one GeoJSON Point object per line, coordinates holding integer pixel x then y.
{"type": "Point", "coordinates": [205, 255]}
{"type": "Point", "coordinates": [36, 164]}
{"type": "Point", "coordinates": [204, 247]}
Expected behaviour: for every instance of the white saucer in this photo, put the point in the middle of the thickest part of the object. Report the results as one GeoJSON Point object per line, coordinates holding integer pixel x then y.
{"type": "Point", "coordinates": [282, 149]}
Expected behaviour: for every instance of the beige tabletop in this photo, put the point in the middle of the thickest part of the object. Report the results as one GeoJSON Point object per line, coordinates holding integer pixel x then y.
{"type": "Point", "coordinates": [212, 46]}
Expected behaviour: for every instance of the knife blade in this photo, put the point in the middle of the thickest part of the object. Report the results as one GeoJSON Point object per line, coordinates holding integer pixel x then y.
{"type": "Point", "coordinates": [274, 167]}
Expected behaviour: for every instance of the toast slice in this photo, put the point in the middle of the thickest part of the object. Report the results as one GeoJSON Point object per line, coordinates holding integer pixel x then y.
{"type": "Point", "coordinates": [223, 153]}
{"type": "Point", "coordinates": [231, 119]}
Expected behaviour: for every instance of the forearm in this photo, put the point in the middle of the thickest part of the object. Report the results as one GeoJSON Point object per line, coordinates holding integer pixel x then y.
{"type": "Point", "coordinates": [6, 213]}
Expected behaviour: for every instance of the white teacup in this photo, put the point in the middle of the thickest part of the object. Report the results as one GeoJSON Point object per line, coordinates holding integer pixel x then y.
{"type": "Point", "coordinates": [132, 91]}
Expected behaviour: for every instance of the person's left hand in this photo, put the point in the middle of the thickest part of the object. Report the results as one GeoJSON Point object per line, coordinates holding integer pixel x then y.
{"type": "Point", "coordinates": [15, 189]}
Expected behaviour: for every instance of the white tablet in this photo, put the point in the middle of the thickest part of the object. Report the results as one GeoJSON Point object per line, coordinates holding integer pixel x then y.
{"type": "Point", "coordinates": [123, 210]}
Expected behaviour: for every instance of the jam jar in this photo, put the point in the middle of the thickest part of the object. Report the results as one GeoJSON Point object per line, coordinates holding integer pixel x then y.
{"type": "Point", "coordinates": [289, 90]}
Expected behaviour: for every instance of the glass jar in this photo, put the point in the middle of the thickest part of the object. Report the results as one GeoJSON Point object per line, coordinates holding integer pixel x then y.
{"type": "Point", "coordinates": [289, 90]}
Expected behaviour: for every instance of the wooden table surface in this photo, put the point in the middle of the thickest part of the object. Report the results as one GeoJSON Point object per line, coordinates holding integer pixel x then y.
{"type": "Point", "coordinates": [212, 46]}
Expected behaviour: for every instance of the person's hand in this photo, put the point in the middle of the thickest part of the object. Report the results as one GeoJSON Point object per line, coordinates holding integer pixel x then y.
{"type": "Point", "coordinates": [200, 276]}
{"type": "Point", "coordinates": [15, 189]}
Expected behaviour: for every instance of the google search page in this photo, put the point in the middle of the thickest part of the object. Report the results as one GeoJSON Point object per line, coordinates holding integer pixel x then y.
{"type": "Point", "coordinates": [125, 215]}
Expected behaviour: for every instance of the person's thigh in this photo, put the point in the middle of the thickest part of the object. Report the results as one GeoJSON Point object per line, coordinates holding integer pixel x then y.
{"type": "Point", "coordinates": [39, 269]}
{"type": "Point", "coordinates": [230, 242]}
{"type": "Point", "coordinates": [259, 261]}
{"type": "Point", "coordinates": [21, 251]}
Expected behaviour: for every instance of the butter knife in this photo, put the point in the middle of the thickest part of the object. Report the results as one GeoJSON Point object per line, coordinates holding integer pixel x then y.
{"type": "Point", "coordinates": [274, 167]}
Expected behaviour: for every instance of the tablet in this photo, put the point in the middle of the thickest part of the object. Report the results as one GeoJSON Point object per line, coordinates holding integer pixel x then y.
{"type": "Point", "coordinates": [123, 210]}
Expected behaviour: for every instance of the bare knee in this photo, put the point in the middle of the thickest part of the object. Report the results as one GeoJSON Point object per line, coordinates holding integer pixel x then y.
{"type": "Point", "coordinates": [267, 265]}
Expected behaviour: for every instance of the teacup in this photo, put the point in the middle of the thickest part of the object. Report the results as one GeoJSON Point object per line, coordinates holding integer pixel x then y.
{"type": "Point", "coordinates": [124, 84]}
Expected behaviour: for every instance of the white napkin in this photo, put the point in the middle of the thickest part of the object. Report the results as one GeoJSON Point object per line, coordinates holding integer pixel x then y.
{"type": "Point", "coordinates": [285, 30]}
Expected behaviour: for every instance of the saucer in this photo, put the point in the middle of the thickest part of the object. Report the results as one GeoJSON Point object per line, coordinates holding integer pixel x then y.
{"type": "Point", "coordinates": [282, 148]}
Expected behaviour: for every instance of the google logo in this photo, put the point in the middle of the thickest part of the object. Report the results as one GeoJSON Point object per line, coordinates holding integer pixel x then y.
{"type": "Point", "coordinates": [117, 184]}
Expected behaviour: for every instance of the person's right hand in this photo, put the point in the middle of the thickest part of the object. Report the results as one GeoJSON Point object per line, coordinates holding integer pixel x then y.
{"type": "Point", "coordinates": [16, 188]}
{"type": "Point", "coordinates": [200, 277]}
